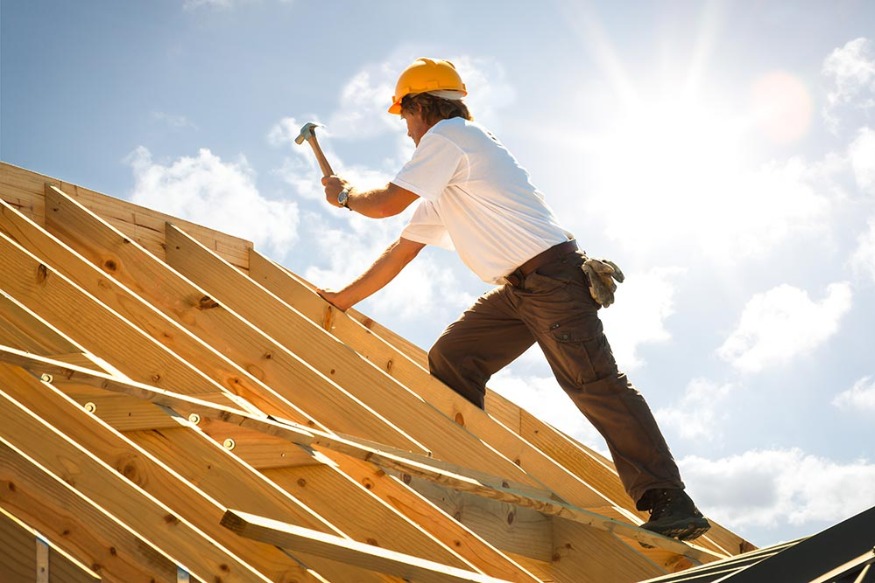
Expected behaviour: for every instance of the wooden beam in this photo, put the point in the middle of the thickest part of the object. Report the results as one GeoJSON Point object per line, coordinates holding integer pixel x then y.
{"type": "Point", "coordinates": [74, 523]}
{"type": "Point", "coordinates": [51, 561]}
{"type": "Point", "coordinates": [77, 464]}
{"type": "Point", "coordinates": [258, 449]}
{"type": "Point", "coordinates": [25, 190]}
{"type": "Point", "coordinates": [271, 363]}
{"type": "Point", "coordinates": [383, 355]}
{"type": "Point", "coordinates": [457, 478]}
{"type": "Point", "coordinates": [354, 467]}
{"type": "Point", "coordinates": [510, 527]}
{"type": "Point", "coordinates": [226, 423]}
{"type": "Point", "coordinates": [380, 391]}
{"type": "Point", "coordinates": [78, 315]}
{"type": "Point", "coordinates": [150, 321]}
{"type": "Point", "coordinates": [188, 472]}
{"type": "Point", "coordinates": [405, 361]}
{"type": "Point", "coordinates": [366, 556]}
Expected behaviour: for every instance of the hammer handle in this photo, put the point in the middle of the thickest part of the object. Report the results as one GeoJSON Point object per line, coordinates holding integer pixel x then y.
{"type": "Point", "coordinates": [320, 157]}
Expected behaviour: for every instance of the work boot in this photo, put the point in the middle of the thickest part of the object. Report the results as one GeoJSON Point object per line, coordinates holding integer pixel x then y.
{"type": "Point", "coordinates": [673, 514]}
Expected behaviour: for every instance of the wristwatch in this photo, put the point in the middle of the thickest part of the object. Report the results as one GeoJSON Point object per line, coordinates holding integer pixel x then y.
{"type": "Point", "coordinates": [343, 199]}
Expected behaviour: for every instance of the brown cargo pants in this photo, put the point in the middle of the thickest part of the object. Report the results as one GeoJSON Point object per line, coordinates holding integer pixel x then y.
{"type": "Point", "coordinates": [552, 306]}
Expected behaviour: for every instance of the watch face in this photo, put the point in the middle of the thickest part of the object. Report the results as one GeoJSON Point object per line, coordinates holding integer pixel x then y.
{"type": "Point", "coordinates": [342, 197]}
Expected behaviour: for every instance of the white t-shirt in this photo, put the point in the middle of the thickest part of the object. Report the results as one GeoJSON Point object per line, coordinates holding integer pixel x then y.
{"type": "Point", "coordinates": [477, 200]}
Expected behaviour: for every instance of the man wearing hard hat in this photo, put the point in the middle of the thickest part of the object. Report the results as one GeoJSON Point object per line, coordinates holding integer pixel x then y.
{"type": "Point", "coordinates": [475, 198]}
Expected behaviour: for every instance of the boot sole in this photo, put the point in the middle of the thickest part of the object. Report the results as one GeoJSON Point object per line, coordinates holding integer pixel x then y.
{"type": "Point", "coordinates": [686, 530]}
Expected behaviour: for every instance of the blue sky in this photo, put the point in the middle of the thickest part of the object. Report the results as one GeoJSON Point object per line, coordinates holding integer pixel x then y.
{"type": "Point", "coordinates": [723, 153]}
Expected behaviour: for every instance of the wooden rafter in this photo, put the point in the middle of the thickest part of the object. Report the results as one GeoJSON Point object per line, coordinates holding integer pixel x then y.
{"type": "Point", "coordinates": [188, 375]}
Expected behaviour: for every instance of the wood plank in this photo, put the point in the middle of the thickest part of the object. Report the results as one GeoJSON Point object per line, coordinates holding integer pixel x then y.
{"type": "Point", "coordinates": [76, 463]}
{"type": "Point", "coordinates": [443, 527]}
{"type": "Point", "coordinates": [51, 561]}
{"type": "Point", "coordinates": [124, 302]}
{"type": "Point", "coordinates": [379, 524]}
{"type": "Point", "coordinates": [78, 315]}
{"type": "Point", "coordinates": [216, 472]}
{"type": "Point", "coordinates": [379, 391]}
{"type": "Point", "coordinates": [367, 556]}
{"type": "Point", "coordinates": [17, 553]}
{"type": "Point", "coordinates": [365, 515]}
{"type": "Point", "coordinates": [573, 559]}
{"type": "Point", "coordinates": [290, 379]}
{"type": "Point", "coordinates": [583, 463]}
{"type": "Point", "coordinates": [21, 328]}
{"type": "Point", "coordinates": [258, 449]}
{"type": "Point", "coordinates": [456, 478]}
{"type": "Point", "coordinates": [192, 475]}
{"type": "Point", "coordinates": [576, 489]}
{"type": "Point", "coordinates": [77, 525]}
{"type": "Point", "coordinates": [511, 528]}
{"type": "Point", "coordinates": [25, 190]}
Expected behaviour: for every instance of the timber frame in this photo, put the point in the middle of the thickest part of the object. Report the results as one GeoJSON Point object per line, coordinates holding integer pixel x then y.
{"type": "Point", "coordinates": [175, 406]}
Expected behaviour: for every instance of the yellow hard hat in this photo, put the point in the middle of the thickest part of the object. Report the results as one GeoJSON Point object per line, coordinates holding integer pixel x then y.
{"type": "Point", "coordinates": [426, 75]}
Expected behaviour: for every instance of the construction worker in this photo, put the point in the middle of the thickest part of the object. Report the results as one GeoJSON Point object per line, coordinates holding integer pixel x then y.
{"type": "Point", "coordinates": [473, 196]}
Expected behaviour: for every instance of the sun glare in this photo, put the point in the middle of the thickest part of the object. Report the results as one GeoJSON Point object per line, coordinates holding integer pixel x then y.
{"type": "Point", "coordinates": [664, 160]}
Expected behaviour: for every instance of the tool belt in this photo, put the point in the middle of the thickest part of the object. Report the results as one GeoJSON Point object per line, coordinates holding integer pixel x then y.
{"type": "Point", "coordinates": [518, 275]}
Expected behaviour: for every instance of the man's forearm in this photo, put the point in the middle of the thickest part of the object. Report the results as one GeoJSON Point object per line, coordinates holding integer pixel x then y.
{"type": "Point", "coordinates": [379, 203]}
{"type": "Point", "coordinates": [377, 276]}
{"type": "Point", "coordinates": [376, 203]}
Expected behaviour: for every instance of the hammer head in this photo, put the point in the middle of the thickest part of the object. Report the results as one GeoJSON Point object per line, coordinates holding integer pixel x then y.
{"type": "Point", "coordinates": [307, 132]}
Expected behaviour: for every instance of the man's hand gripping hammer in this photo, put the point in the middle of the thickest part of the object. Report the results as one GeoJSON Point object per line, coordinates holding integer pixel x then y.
{"type": "Point", "coordinates": [308, 133]}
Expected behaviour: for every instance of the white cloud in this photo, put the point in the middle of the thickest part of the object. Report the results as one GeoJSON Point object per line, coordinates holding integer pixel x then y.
{"type": "Point", "coordinates": [859, 398]}
{"type": "Point", "coordinates": [862, 155]}
{"type": "Point", "coordinates": [196, 4]}
{"type": "Point", "coordinates": [173, 121]}
{"type": "Point", "coordinates": [767, 207]}
{"type": "Point", "coordinates": [863, 259]}
{"type": "Point", "coordinates": [364, 102]}
{"type": "Point", "coordinates": [698, 414]}
{"type": "Point", "coordinates": [851, 68]}
{"type": "Point", "coordinates": [284, 132]}
{"type": "Point", "coordinates": [690, 194]}
{"type": "Point", "coordinates": [213, 193]}
{"type": "Point", "coordinates": [643, 303]}
{"type": "Point", "coordinates": [488, 90]}
{"type": "Point", "coordinates": [783, 323]}
{"type": "Point", "coordinates": [221, 4]}
{"type": "Point", "coordinates": [779, 487]}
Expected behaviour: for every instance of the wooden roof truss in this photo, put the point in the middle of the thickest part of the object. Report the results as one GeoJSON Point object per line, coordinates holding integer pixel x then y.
{"type": "Point", "coordinates": [176, 406]}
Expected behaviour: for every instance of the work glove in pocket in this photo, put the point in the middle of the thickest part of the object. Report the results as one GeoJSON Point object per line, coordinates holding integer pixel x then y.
{"type": "Point", "coordinates": [603, 276]}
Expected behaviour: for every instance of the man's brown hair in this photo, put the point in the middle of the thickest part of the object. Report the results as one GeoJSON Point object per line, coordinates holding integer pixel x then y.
{"type": "Point", "coordinates": [434, 108]}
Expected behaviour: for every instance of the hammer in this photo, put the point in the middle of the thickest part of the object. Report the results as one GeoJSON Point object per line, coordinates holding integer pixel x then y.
{"type": "Point", "coordinates": [308, 133]}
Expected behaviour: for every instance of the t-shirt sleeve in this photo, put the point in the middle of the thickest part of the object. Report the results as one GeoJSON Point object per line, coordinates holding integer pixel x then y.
{"type": "Point", "coordinates": [434, 163]}
{"type": "Point", "coordinates": [426, 227]}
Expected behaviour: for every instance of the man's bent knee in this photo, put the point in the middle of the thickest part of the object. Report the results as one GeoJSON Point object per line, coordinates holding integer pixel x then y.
{"type": "Point", "coordinates": [451, 370]}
